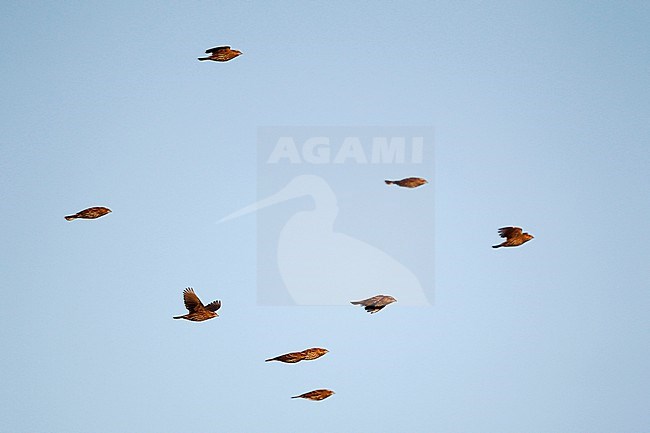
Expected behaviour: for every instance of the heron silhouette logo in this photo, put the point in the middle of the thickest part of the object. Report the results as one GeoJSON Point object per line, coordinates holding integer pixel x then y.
{"type": "Point", "coordinates": [308, 256]}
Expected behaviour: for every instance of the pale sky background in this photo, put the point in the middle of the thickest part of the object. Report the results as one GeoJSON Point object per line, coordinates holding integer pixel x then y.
{"type": "Point", "coordinates": [541, 113]}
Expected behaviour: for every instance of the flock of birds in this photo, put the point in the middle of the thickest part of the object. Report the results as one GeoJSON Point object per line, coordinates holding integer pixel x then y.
{"type": "Point", "coordinates": [198, 312]}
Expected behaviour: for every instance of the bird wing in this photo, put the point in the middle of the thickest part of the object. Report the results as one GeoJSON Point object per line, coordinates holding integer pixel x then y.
{"type": "Point", "coordinates": [365, 302]}
{"type": "Point", "coordinates": [375, 301]}
{"type": "Point", "coordinates": [509, 232]}
{"type": "Point", "coordinates": [213, 306]}
{"type": "Point", "coordinates": [217, 49]}
{"type": "Point", "coordinates": [373, 309]}
{"type": "Point", "coordinates": [192, 302]}
{"type": "Point", "coordinates": [318, 394]}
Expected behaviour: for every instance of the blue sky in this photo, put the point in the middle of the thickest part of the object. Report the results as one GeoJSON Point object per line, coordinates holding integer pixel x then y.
{"type": "Point", "coordinates": [541, 118]}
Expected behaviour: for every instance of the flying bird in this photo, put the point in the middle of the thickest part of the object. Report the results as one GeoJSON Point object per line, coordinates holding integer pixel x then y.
{"type": "Point", "coordinates": [197, 311]}
{"type": "Point", "coordinates": [409, 182]}
{"type": "Point", "coordinates": [514, 237]}
{"type": "Point", "coordinates": [305, 355]}
{"type": "Point", "coordinates": [316, 395]}
{"type": "Point", "coordinates": [375, 303]}
{"type": "Point", "coordinates": [220, 54]}
{"type": "Point", "coordinates": [90, 213]}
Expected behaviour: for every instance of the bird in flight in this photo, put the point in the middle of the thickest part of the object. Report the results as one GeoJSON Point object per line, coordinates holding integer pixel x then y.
{"type": "Point", "coordinates": [305, 355]}
{"type": "Point", "coordinates": [220, 54]}
{"type": "Point", "coordinates": [316, 395]}
{"type": "Point", "coordinates": [514, 237]}
{"type": "Point", "coordinates": [376, 303]}
{"type": "Point", "coordinates": [197, 311]}
{"type": "Point", "coordinates": [409, 182]}
{"type": "Point", "coordinates": [90, 213]}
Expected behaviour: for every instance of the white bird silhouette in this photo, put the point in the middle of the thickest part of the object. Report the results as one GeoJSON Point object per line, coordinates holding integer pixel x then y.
{"type": "Point", "coordinates": [322, 267]}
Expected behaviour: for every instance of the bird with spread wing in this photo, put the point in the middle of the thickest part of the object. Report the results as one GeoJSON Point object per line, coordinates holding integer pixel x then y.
{"type": "Point", "coordinates": [197, 311]}
{"type": "Point", "coordinates": [513, 237]}
{"type": "Point", "coordinates": [220, 54]}
{"type": "Point", "coordinates": [376, 303]}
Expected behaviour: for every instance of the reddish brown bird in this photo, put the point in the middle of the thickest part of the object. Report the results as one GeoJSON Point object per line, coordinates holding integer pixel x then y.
{"type": "Point", "coordinates": [197, 311]}
{"type": "Point", "coordinates": [90, 214]}
{"type": "Point", "coordinates": [220, 54]}
{"type": "Point", "coordinates": [305, 355]}
{"type": "Point", "coordinates": [514, 237]}
{"type": "Point", "coordinates": [316, 395]}
{"type": "Point", "coordinates": [375, 303]}
{"type": "Point", "coordinates": [409, 182]}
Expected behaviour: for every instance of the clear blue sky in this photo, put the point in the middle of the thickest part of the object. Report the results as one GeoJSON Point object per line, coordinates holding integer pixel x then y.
{"type": "Point", "coordinates": [541, 118]}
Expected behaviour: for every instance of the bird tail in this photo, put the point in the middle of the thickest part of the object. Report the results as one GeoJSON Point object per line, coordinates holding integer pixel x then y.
{"type": "Point", "coordinates": [178, 317]}
{"type": "Point", "coordinates": [204, 58]}
{"type": "Point", "coordinates": [296, 396]}
{"type": "Point", "coordinates": [388, 182]}
{"type": "Point", "coordinates": [270, 359]}
{"type": "Point", "coordinates": [497, 246]}
{"type": "Point", "coordinates": [355, 302]}
{"type": "Point", "coordinates": [71, 217]}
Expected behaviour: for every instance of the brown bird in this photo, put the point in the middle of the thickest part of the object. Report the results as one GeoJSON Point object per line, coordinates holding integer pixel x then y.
{"type": "Point", "coordinates": [197, 311]}
{"type": "Point", "coordinates": [305, 355]}
{"type": "Point", "coordinates": [514, 237]}
{"type": "Point", "coordinates": [409, 182]}
{"type": "Point", "coordinates": [316, 395]}
{"type": "Point", "coordinates": [375, 303]}
{"type": "Point", "coordinates": [220, 54]}
{"type": "Point", "coordinates": [90, 213]}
